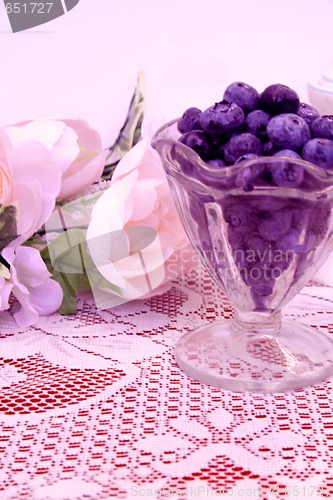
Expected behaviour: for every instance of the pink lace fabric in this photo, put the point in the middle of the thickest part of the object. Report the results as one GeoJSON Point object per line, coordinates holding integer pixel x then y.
{"type": "Point", "coordinates": [93, 406]}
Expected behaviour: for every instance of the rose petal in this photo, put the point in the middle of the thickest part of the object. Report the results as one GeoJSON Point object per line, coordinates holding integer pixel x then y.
{"type": "Point", "coordinates": [60, 140]}
{"type": "Point", "coordinates": [29, 207]}
{"type": "Point", "coordinates": [144, 199]}
{"type": "Point", "coordinates": [82, 174]}
{"type": "Point", "coordinates": [41, 130]}
{"type": "Point", "coordinates": [113, 201]}
{"type": "Point", "coordinates": [5, 146]}
{"type": "Point", "coordinates": [89, 139]}
{"type": "Point", "coordinates": [36, 181]}
{"type": "Point", "coordinates": [66, 149]}
{"type": "Point", "coordinates": [31, 160]}
{"type": "Point", "coordinates": [87, 168]}
{"type": "Point", "coordinates": [130, 161]}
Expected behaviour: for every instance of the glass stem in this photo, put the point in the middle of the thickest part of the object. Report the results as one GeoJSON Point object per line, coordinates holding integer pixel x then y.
{"type": "Point", "coordinates": [254, 323]}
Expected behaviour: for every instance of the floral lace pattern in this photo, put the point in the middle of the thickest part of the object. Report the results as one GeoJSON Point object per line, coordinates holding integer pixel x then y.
{"type": "Point", "coordinates": [93, 406]}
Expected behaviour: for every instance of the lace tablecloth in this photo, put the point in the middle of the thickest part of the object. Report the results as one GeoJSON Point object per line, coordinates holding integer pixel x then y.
{"type": "Point", "coordinates": [93, 406]}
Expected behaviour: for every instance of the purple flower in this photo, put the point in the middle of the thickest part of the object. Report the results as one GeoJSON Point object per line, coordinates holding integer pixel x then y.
{"type": "Point", "coordinates": [29, 281]}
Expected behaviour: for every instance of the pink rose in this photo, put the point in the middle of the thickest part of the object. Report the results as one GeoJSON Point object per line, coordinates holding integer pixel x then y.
{"type": "Point", "coordinates": [30, 181]}
{"type": "Point", "coordinates": [75, 148]}
{"type": "Point", "coordinates": [135, 236]}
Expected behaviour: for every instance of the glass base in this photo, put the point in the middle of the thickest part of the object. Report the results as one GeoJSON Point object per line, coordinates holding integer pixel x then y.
{"type": "Point", "coordinates": [218, 355]}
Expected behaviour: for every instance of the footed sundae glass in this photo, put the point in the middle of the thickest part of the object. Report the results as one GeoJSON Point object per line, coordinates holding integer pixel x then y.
{"type": "Point", "coordinates": [262, 228]}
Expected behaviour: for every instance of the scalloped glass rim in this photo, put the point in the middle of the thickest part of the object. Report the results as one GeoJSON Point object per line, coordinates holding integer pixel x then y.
{"type": "Point", "coordinates": [169, 130]}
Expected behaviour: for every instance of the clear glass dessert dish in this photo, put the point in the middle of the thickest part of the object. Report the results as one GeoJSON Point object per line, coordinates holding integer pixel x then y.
{"type": "Point", "coordinates": [262, 228]}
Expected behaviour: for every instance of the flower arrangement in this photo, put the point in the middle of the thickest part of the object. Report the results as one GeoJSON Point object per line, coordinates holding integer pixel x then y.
{"type": "Point", "coordinates": [75, 217]}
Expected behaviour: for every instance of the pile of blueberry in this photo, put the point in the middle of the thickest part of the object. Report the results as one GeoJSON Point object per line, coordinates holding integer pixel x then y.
{"type": "Point", "coordinates": [246, 124]}
{"type": "Point", "coordinates": [266, 235]}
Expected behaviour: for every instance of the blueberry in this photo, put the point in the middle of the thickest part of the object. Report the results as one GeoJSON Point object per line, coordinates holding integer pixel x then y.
{"type": "Point", "coordinates": [242, 94]}
{"type": "Point", "coordinates": [239, 254]}
{"type": "Point", "coordinates": [278, 98]}
{"type": "Point", "coordinates": [240, 145]}
{"type": "Point", "coordinates": [288, 153]}
{"type": "Point", "coordinates": [189, 120]}
{"type": "Point", "coordinates": [319, 152]}
{"type": "Point", "coordinates": [247, 177]}
{"type": "Point", "coordinates": [288, 131]}
{"type": "Point", "coordinates": [218, 151]}
{"type": "Point", "coordinates": [267, 203]}
{"type": "Point", "coordinates": [269, 149]}
{"type": "Point", "coordinates": [275, 225]}
{"type": "Point", "coordinates": [240, 216]}
{"type": "Point", "coordinates": [307, 112]}
{"type": "Point", "coordinates": [216, 163]}
{"type": "Point", "coordinates": [223, 119]}
{"type": "Point", "coordinates": [281, 263]}
{"type": "Point", "coordinates": [198, 141]}
{"type": "Point", "coordinates": [258, 249]}
{"type": "Point", "coordinates": [287, 174]}
{"type": "Point", "coordinates": [256, 123]}
{"type": "Point", "coordinates": [236, 237]}
{"type": "Point", "coordinates": [322, 127]}
{"type": "Point", "coordinates": [290, 242]}
{"type": "Point", "coordinates": [247, 156]}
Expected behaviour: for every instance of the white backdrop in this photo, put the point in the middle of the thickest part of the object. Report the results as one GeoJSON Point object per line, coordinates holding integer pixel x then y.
{"type": "Point", "coordinates": [85, 63]}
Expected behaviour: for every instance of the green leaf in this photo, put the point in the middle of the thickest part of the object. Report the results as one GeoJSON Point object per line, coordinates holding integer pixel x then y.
{"type": "Point", "coordinates": [8, 225]}
{"type": "Point", "coordinates": [68, 260]}
{"type": "Point", "coordinates": [130, 133]}
{"type": "Point", "coordinates": [65, 251]}
{"type": "Point", "coordinates": [69, 304]}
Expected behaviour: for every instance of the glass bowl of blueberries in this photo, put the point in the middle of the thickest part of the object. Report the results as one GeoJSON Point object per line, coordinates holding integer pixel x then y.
{"type": "Point", "coordinates": [252, 179]}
